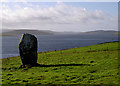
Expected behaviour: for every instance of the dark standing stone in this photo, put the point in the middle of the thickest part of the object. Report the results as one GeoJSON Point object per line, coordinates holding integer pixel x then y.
{"type": "Point", "coordinates": [28, 49]}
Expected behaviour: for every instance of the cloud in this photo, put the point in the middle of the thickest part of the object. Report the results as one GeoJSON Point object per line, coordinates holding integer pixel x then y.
{"type": "Point", "coordinates": [60, 17]}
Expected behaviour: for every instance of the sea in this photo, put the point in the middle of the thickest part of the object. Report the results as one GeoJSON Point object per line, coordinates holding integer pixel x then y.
{"type": "Point", "coordinates": [55, 42]}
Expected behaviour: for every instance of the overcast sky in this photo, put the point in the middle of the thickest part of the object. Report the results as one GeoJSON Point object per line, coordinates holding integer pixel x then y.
{"type": "Point", "coordinates": [60, 16]}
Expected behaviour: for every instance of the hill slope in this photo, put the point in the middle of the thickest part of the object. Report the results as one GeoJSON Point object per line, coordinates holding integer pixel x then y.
{"type": "Point", "coordinates": [97, 64]}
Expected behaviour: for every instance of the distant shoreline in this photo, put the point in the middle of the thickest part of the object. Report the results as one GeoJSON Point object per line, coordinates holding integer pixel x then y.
{"type": "Point", "coordinates": [49, 32]}
{"type": "Point", "coordinates": [61, 49]}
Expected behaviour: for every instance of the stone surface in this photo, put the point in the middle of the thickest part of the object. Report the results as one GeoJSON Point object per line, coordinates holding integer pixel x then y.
{"type": "Point", "coordinates": [28, 49]}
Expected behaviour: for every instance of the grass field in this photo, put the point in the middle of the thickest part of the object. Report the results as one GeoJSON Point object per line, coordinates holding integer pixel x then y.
{"type": "Point", "coordinates": [96, 64]}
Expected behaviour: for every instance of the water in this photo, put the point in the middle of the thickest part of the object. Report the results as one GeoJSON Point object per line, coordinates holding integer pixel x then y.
{"type": "Point", "coordinates": [55, 42]}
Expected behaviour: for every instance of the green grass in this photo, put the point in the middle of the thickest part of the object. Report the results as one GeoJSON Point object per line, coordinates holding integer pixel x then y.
{"type": "Point", "coordinates": [96, 64]}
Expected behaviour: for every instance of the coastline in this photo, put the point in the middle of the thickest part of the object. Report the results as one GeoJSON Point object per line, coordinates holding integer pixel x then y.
{"type": "Point", "coordinates": [62, 49]}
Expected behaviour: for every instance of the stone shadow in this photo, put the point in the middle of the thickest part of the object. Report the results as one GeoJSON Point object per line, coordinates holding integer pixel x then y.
{"type": "Point", "coordinates": [57, 65]}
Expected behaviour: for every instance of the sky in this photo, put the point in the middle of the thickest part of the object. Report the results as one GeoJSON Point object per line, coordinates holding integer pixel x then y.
{"type": "Point", "coordinates": [60, 16]}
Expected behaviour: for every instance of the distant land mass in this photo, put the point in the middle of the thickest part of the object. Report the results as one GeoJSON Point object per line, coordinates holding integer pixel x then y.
{"type": "Point", "coordinates": [48, 32]}
{"type": "Point", "coordinates": [20, 32]}
{"type": "Point", "coordinates": [112, 32]}
{"type": "Point", "coordinates": [102, 31]}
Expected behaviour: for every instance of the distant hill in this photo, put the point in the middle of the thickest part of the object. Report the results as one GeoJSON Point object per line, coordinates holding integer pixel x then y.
{"type": "Point", "coordinates": [102, 32]}
{"type": "Point", "coordinates": [19, 32]}
{"type": "Point", "coordinates": [48, 32]}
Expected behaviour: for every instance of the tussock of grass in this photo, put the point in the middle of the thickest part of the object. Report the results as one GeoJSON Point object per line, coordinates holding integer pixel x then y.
{"type": "Point", "coordinates": [97, 64]}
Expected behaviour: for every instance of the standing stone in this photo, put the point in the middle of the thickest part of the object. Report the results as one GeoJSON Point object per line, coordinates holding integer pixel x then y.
{"type": "Point", "coordinates": [28, 49]}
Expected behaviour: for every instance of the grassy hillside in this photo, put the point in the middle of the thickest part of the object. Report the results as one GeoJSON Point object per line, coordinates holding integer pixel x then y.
{"type": "Point", "coordinates": [97, 64]}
